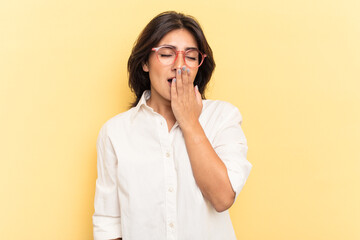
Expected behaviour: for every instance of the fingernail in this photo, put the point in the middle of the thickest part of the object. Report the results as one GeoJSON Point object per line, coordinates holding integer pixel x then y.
{"type": "Point", "coordinates": [188, 70]}
{"type": "Point", "coordinates": [179, 71]}
{"type": "Point", "coordinates": [197, 88]}
{"type": "Point", "coordinates": [174, 79]}
{"type": "Point", "coordinates": [183, 68]}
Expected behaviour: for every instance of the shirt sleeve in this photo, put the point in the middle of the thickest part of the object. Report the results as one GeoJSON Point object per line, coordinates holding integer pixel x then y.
{"type": "Point", "coordinates": [106, 218]}
{"type": "Point", "coordinates": [231, 146]}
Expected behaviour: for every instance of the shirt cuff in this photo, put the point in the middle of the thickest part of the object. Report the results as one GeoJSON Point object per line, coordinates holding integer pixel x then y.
{"type": "Point", "coordinates": [105, 228]}
{"type": "Point", "coordinates": [238, 177]}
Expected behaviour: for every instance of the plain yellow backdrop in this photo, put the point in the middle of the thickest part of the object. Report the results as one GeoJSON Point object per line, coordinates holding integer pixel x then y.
{"type": "Point", "coordinates": [291, 67]}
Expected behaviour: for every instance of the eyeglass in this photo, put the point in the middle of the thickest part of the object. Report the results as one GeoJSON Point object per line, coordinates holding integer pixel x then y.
{"type": "Point", "coordinates": [167, 55]}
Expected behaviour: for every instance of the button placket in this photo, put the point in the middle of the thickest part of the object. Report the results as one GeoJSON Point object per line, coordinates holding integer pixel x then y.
{"type": "Point", "coordinates": [170, 195]}
{"type": "Point", "coordinates": [170, 181]}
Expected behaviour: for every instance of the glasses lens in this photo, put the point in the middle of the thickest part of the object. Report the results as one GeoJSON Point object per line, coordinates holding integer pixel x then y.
{"type": "Point", "coordinates": [166, 55]}
{"type": "Point", "coordinates": [193, 58]}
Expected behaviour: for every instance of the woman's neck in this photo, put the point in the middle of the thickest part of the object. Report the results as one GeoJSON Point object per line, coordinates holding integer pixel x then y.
{"type": "Point", "coordinates": [162, 107]}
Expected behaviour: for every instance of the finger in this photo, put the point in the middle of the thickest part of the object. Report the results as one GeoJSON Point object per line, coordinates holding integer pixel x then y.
{"type": "Point", "coordinates": [191, 80]}
{"type": "Point", "coordinates": [179, 83]}
{"type": "Point", "coordinates": [189, 83]}
{"type": "Point", "coordinates": [185, 75]}
{"type": "Point", "coordinates": [173, 93]}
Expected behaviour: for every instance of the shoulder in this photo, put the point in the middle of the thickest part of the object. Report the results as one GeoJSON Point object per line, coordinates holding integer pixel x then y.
{"type": "Point", "coordinates": [116, 123]}
{"type": "Point", "coordinates": [221, 109]}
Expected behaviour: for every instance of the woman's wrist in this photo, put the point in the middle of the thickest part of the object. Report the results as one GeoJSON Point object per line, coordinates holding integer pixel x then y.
{"type": "Point", "coordinates": [193, 130]}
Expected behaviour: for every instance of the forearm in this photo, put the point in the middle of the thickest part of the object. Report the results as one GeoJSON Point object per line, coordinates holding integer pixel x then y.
{"type": "Point", "coordinates": [209, 171]}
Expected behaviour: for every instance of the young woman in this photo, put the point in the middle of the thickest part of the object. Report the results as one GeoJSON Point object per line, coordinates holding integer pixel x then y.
{"type": "Point", "coordinates": [171, 166]}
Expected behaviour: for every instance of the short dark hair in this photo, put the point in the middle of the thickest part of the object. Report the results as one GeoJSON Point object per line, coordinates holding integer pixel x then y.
{"type": "Point", "coordinates": [154, 31]}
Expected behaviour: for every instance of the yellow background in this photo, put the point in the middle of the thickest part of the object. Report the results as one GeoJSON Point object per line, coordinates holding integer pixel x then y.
{"type": "Point", "coordinates": [292, 68]}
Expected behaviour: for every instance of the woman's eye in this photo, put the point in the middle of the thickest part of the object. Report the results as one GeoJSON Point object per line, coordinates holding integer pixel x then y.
{"type": "Point", "coordinates": [165, 55]}
{"type": "Point", "coordinates": [191, 58]}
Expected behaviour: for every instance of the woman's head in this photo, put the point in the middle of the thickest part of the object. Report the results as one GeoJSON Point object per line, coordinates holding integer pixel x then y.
{"type": "Point", "coordinates": [153, 33]}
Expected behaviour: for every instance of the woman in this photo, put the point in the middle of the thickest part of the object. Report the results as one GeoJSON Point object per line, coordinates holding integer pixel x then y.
{"type": "Point", "coordinates": [171, 166]}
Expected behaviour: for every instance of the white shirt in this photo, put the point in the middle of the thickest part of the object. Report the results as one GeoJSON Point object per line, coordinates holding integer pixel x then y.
{"type": "Point", "coordinates": [145, 188]}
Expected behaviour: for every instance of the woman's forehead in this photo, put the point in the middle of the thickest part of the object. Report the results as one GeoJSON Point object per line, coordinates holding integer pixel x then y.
{"type": "Point", "coordinates": [179, 38]}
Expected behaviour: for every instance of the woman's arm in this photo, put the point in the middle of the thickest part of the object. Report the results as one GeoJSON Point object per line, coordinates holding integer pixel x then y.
{"type": "Point", "coordinates": [106, 218]}
{"type": "Point", "coordinates": [209, 170]}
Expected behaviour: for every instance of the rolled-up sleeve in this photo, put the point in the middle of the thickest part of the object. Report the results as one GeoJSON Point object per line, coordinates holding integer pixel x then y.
{"type": "Point", "coordinates": [231, 146]}
{"type": "Point", "coordinates": [106, 218]}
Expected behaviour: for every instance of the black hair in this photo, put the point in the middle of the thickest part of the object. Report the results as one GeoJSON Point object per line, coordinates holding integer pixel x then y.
{"type": "Point", "coordinates": [154, 31]}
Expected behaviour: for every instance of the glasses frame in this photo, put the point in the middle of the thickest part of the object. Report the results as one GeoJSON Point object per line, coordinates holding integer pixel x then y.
{"type": "Point", "coordinates": [156, 49]}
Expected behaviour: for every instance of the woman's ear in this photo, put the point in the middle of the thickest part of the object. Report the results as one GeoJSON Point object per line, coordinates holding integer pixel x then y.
{"type": "Point", "coordinates": [145, 67]}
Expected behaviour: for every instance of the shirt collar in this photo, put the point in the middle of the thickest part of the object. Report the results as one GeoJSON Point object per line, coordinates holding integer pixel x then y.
{"type": "Point", "coordinates": [145, 96]}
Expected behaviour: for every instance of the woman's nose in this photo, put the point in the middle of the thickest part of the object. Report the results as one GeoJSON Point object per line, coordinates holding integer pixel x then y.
{"type": "Point", "coordinates": [179, 61]}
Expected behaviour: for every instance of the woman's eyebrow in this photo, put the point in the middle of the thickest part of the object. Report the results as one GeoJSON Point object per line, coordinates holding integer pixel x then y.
{"type": "Point", "coordinates": [191, 48]}
{"type": "Point", "coordinates": [172, 46]}
{"type": "Point", "coordinates": [168, 45]}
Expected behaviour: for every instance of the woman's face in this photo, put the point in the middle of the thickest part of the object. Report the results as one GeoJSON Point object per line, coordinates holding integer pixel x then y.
{"type": "Point", "coordinates": [160, 74]}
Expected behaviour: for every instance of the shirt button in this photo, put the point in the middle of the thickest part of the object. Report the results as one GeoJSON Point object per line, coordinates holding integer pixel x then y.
{"type": "Point", "coordinates": [171, 225]}
{"type": "Point", "coordinates": [167, 154]}
{"type": "Point", "coordinates": [171, 189]}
